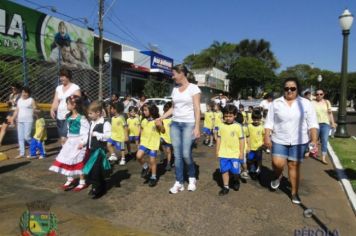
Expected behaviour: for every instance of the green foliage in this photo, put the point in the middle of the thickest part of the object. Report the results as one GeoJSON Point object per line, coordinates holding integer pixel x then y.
{"type": "Point", "coordinates": [155, 89]}
{"type": "Point", "coordinates": [248, 74]}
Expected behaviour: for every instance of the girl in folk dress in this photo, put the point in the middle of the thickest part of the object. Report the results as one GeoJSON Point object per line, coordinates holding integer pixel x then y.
{"type": "Point", "coordinates": [71, 159]}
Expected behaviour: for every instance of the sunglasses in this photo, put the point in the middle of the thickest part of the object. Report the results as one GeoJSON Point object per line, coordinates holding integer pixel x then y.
{"type": "Point", "coordinates": [319, 94]}
{"type": "Point", "coordinates": [287, 89]}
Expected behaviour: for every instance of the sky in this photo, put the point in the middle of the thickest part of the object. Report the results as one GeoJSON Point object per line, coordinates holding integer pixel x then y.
{"type": "Point", "coordinates": [300, 32]}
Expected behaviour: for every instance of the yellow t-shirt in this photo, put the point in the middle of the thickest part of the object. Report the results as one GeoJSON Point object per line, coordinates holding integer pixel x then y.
{"type": "Point", "coordinates": [40, 130]}
{"type": "Point", "coordinates": [322, 111]}
{"type": "Point", "coordinates": [244, 115]}
{"type": "Point", "coordinates": [230, 136]}
{"type": "Point", "coordinates": [167, 129]}
{"type": "Point", "coordinates": [218, 118]}
{"type": "Point", "coordinates": [150, 137]}
{"type": "Point", "coordinates": [246, 134]}
{"type": "Point", "coordinates": [209, 120]}
{"type": "Point", "coordinates": [249, 118]}
{"type": "Point", "coordinates": [256, 136]}
{"type": "Point", "coordinates": [134, 126]}
{"type": "Point", "coordinates": [118, 124]}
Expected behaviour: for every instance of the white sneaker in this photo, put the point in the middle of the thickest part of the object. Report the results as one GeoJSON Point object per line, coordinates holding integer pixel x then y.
{"type": "Point", "coordinates": [275, 183]}
{"type": "Point", "coordinates": [177, 187]}
{"type": "Point", "coordinates": [244, 175]}
{"type": "Point", "coordinates": [192, 184]}
{"type": "Point", "coordinates": [112, 158]}
{"type": "Point", "coordinates": [122, 162]}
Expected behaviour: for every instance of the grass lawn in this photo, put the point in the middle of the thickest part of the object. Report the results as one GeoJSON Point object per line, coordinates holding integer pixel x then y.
{"type": "Point", "coordinates": [345, 149]}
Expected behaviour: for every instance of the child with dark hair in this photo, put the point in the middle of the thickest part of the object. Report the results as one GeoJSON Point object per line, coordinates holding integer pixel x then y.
{"type": "Point", "coordinates": [119, 132]}
{"type": "Point", "coordinates": [71, 159]}
{"type": "Point", "coordinates": [240, 119]}
{"type": "Point", "coordinates": [218, 117]}
{"type": "Point", "coordinates": [166, 137]}
{"type": "Point", "coordinates": [40, 136]}
{"type": "Point", "coordinates": [242, 111]}
{"type": "Point", "coordinates": [98, 165]}
{"type": "Point", "coordinates": [209, 124]}
{"type": "Point", "coordinates": [151, 127]}
{"type": "Point", "coordinates": [133, 123]}
{"type": "Point", "coordinates": [230, 149]}
{"type": "Point", "coordinates": [255, 144]}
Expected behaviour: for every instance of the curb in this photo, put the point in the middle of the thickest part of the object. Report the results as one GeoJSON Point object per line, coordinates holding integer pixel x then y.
{"type": "Point", "coordinates": [345, 182]}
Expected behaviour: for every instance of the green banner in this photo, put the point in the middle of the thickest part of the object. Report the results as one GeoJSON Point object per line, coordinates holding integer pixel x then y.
{"type": "Point", "coordinates": [47, 38]}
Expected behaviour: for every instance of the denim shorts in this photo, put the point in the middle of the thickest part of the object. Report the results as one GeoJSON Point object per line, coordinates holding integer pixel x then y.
{"type": "Point", "coordinates": [62, 128]}
{"type": "Point", "coordinates": [147, 151]}
{"type": "Point", "coordinates": [120, 146]}
{"type": "Point", "coordinates": [165, 144]}
{"type": "Point", "coordinates": [289, 152]}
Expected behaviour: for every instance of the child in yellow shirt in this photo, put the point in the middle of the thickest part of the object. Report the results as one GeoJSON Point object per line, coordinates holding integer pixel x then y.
{"type": "Point", "coordinates": [218, 118]}
{"type": "Point", "coordinates": [255, 144]}
{"type": "Point", "coordinates": [151, 127]}
{"type": "Point", "coordinates": [40, 136]}
{"type": "Point", "coordinates": [133, 123]}
{"type": "Point", "coordinates": [230, 149]}
{"type": "Point", "coordinates": [166, 137]}
{"type": "Point", "coordinates": [119, 133]}
{"type": "Point", "coordinates": [209, 124]}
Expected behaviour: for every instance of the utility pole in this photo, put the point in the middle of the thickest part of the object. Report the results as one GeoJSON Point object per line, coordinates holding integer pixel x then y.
{"type": "Point", "coordinates": [101, 12]}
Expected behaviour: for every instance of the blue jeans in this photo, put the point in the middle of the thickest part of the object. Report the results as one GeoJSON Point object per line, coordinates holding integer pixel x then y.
{"type": "Point", "coordinates": [23, 134]}
{"type": "Point", "coordinates": [324, 130]}
{"type": "Point", "coordinates": [37, 145]}
{"type": "Point", "coordinates": [182, 140]}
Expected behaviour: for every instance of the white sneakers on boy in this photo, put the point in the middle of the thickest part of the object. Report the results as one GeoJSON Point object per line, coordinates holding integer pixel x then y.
{"type": "Point", "coordinates": [192, 184]}
{"type": "Point", "coordinates": [112, 158]}
{"type": "Point", "coordinates": [122, 162]}
{"type": "Point", "coordinates": [177, 187]}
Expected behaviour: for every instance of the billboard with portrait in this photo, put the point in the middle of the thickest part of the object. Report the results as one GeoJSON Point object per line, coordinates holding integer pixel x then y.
{"type": "Point", "coordinates": [47, 37]}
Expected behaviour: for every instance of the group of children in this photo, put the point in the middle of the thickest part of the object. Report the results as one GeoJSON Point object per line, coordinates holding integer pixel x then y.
{"type": "Point", "coordinates": [89, 135]}
{"type": "Point", "coordinates": [239, 141]}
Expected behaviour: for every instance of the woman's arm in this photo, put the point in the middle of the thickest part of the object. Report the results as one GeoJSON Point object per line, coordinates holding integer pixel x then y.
{"type": "Point", "coordinates": [14, 116]}
{"type": "Point", "coordinates": [330, 113]}
{"type": "Point", "coordinates": [77, 92]}
{"type": "Point", "coordinates": [167, 114]}
{"type": "Point", "coordinates": [54, 106]}
{"type": "Point", "coordinates": [196, 104]}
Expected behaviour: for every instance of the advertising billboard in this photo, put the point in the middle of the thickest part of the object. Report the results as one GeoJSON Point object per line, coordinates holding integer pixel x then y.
{"type": "Point", "coordinates": [47, 37]}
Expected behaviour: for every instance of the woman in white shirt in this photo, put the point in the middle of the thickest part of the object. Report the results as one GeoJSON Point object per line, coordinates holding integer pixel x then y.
{"type": "Point", "coordinates": [59, 106]}
{"type": "Point", "coordinates": [24, 114]}
{"type": "Point", "coordinates": [185, 126]}
{"type": "Point", "coordinates": [289, 121]}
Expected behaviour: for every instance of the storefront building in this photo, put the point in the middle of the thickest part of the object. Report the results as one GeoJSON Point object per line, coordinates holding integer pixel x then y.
{"type": "Point", "coordinates": [212, 82]}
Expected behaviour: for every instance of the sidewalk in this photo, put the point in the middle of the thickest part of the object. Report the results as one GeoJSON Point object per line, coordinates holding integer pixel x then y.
{"type": "Point", "coordinates": [132, 208]}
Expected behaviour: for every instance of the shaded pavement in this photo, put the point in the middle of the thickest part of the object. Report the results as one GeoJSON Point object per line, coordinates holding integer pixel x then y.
{"type": "Point", "coordinates": [132, 208]}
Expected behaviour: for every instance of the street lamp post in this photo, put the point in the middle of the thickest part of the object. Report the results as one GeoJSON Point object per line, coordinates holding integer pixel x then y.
{"type": "Point", "coordinates": [320, 78]}
{"type": "Point", "coordinates": [346, 20]}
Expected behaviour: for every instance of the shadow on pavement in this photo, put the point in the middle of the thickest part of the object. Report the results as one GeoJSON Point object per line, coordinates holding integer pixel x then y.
{"type": "Point", "coordinates": [350, 173]}
{"type": "Point", "coordinates": [217, 178]}
{"type": "Point", "coordinates": [317, 220]}
{"type": "Point", "coordinates": [116, 178]}
{"type": "Point", "coordinates": [7, 168]}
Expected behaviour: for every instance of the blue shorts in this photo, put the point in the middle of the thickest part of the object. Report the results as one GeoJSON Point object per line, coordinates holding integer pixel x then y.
{"type": "Point", "coordinates": [165, 144]}
{"type": "Point", "coordinates": [134, 138]}
{"type": "Point", "coordinates": [289, 152]}
{"type": "Point", "coordinates": [120, 146]}
{"type": "Point", "coordinates": [216, 128]}
{"type": "Point", "coordinates": [149, 152]}
{"type": "Point", "coordinates": [230, 164]}
{"type": "Point", "coordinates": [254, 155]}
{"type": "Point", "coordinates": [207, 131]}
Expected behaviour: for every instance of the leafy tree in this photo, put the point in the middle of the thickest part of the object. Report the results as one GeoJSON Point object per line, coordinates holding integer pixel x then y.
{"type": "Point", "coordinates": [260, 49]}
{"type": "Point", "coordinates": [248, 75]}
{"type": "Point", "coordinates": [156, 89]}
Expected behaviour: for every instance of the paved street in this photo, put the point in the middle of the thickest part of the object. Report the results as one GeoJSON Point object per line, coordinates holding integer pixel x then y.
{"type": "Point", "coordinates": [132, 208]}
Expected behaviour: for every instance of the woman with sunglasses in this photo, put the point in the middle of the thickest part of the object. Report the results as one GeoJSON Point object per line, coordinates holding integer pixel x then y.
{"type": "Point", "coordinates": [290, 120]}
{"type": "Point", "coordinates": [325, 119]}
